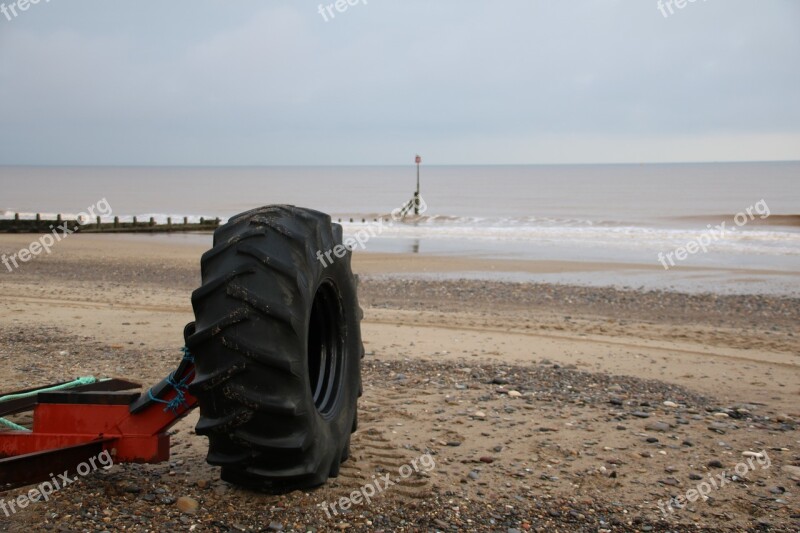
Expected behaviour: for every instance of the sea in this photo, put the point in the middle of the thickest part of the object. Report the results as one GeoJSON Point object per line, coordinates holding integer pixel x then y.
{"type": "Point", "coordinates": [607, 214]}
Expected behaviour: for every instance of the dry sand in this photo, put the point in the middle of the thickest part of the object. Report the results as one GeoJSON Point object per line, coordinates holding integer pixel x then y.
{"type": "Point", "coordinates": [542, 405]}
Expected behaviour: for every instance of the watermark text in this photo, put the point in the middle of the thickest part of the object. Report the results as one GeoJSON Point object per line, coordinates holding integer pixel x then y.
{"type": "Point", "coordinates": [715, 482]}
{"type": "Point", "coordinates": [329, 11]}
{"type": "Point", "coordinates": [668, 7]}
{"type": "Point", "coordinates": [714, 234]}
{"type": "Point", "coordinates": [14, 9]}
{"type": "Point", "coordinates": [378, 485]}
{"type": "Point", "coordinates": [43, 491]}
{"type": "Point", "coordinates": [58, 233]}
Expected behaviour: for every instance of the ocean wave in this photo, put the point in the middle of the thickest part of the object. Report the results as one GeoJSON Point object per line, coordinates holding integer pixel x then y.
{"type": "Point", "coordinates": [749, 239]}
{"type": "Point", "coordinates": [461, 221]}
{"type": "Point", "coordinates": [575, 232]}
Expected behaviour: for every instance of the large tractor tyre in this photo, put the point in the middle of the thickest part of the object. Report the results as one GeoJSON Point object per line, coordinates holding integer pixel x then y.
{"type": "Point", "coordinates": [277, 346]}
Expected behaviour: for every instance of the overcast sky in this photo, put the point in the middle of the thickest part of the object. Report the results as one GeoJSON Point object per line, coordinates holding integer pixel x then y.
{"type": "Point", "coordinates": [246, 82]}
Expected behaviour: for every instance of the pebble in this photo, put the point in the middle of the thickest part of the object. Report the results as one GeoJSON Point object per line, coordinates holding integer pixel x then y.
{"type": "Point", "coordinates": [717, 428]}
{"type": "Point", "coordinates": [670, 404]}
{"type": "Point", "coordinates": [514, 394]}
{"type": "Point", "coordinates": [130, 488]}
{"type": "Point", "coordinates": [793, 471]}
{"type": "Point", "coordinates": [755, 455]}
{"type": "Point", "coordinates": [657, 426]}
{"type": "Point", "coordinates": [576, 515]}
{"type": "Point", "coordinates": [187, 505]}
{"type": "Point", "coordinates": [640, 414]}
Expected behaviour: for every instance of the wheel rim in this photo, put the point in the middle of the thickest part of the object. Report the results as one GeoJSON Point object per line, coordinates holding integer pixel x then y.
{"type": "Point", "coordinates": [325, 348]}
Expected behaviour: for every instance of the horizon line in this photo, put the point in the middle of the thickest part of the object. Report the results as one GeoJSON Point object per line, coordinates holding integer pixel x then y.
{"type": "Point", "coordinates": [351, 165]}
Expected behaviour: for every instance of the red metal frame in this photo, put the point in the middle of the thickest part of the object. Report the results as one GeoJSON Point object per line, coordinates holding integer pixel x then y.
{"type": "Point", "coordinates": [70, 433]}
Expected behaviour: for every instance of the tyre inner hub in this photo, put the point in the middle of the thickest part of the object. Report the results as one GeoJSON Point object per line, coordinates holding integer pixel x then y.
{"type": "Point", "coordinates": [325, 348]}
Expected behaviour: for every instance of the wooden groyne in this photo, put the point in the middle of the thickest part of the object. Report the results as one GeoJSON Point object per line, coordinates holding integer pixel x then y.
{"type": "Point", "coordinates": [41, 225]}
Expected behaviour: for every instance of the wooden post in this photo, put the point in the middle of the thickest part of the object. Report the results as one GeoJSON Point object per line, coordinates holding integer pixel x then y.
{"type": "Point", "coordinates": [202, 220]}
{"type": "Point", "coordinates": [16, 217]}
{"type": "Point", "coordinates": [185, 221]}
{"type": "Point", "coordinates": [116, 222]}
{"type": "Point", "coordinates": [58, 218]}
{"type": "Point", "coordinates": [134, 222]}
{"type": "Point", "coordinates": [418, 161]}
{"type": "Point", "coordinates": [38, 217]}
{"type": "Point", "coordinates": [169, 222]}
{"type": "Point", "coordinates": [152, 222]}
{"type": "Point", "coordinates": [99, 224]}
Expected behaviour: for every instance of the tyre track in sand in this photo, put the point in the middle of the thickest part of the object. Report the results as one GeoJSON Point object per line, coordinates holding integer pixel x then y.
{"type": "Point", "coordinates": [374, 453]}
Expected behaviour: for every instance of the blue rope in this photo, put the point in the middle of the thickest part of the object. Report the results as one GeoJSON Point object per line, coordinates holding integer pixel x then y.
{"type": "Point", "coordinates": [179, 401]}
{"type": "Point", "coordinates": [87, 380]}
{"type": "Point", "coordinates": [187, 355]}
{"type": "Point", "coordinates": [11, 425]}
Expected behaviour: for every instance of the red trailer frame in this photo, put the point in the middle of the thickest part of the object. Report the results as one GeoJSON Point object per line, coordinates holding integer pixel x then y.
{"type": "Point", "coordinates": [73, 426]}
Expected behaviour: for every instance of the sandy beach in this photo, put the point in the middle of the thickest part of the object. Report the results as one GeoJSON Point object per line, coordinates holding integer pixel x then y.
{"type": "Point", "coordinates": [545, 407]}
{"type": "Point", "coordinates": [415, 267]}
